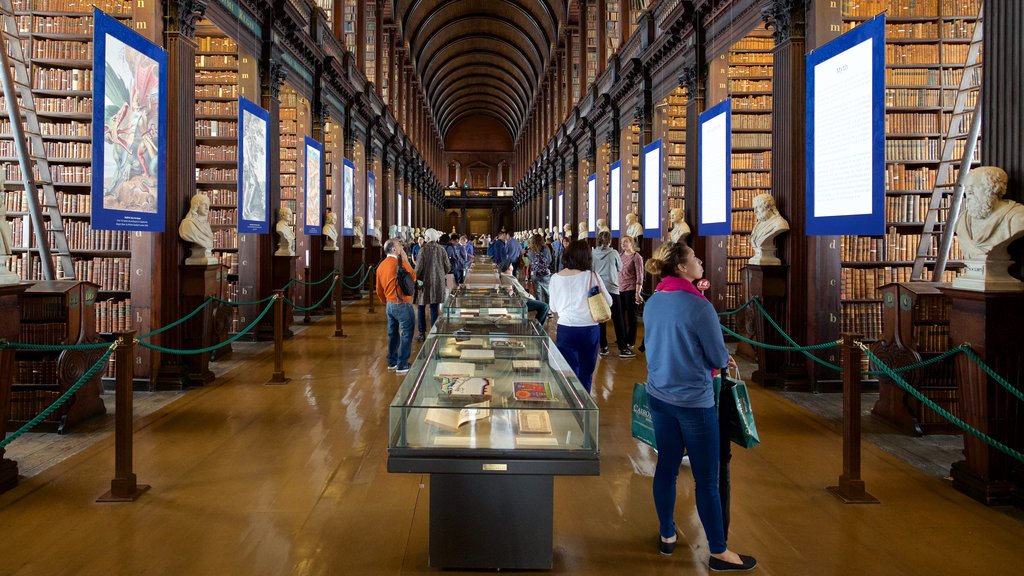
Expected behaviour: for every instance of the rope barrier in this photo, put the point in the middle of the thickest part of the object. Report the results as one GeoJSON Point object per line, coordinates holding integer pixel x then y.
{"type": "Point", "coordinates": [757, 302]}
{"type": "Point", "coordinates": [177, 322]}
{"type": "Point", "coordinates": [297, 308]}
{"type": "Point", "coordinates": [315, 282]}
{"type": "Point", "coordinates": [938, 409]}
{"type": "Point", "coordinates": [988, 370]}
{"type": "Point", "coordinates": [357, 272]}
{"type": "Point", "coordinates": [810, 347]}
{"type": "Point", "coordinates": [266, 309]}
{"type": "Point", "coordinates": [63, 397]}
{"type": "Point", "coordinates": [361, 283]}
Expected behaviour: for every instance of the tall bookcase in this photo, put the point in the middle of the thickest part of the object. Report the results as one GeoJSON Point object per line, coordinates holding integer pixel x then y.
{"type": "Point", "coordinates": [926, 47]}
{"type": "Point", "coordinates": [592, 47]}
{"type": "Point", "coordinates": [574, 52]}
{"type": "Point", "coordinates": [216, 92]}
{"type": "Point", "coordinates": [631, 167]}
{"type": "Point", "coordinates": [747, 74]}
{"type": "Point", "coordinates": [670, 124]}
{"type": "Point", "coordinates": [350, 15]}
{"type": "Point", "coordinates": [290, 147]}
{"type": "Point", "coordinates": [370, 41]}
{"type": "Point", "coordinates": [57, 35]}
{"type": "Point", "coordinates": [613, 27]}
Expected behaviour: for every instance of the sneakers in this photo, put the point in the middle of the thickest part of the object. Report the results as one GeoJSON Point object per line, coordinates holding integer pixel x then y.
{"type": "Point", "coordinates": [401, 371]}
{"type": "Point", "coordinates": [627, 353]}
{"type": "Point", "coordinates": [666, 548]}
{"type": "Point", "coordinates": [392, 368]}
{"type": "Point", "coordinates": [604, 351]}
{"type": "Point", "coordinates": [748, 564]}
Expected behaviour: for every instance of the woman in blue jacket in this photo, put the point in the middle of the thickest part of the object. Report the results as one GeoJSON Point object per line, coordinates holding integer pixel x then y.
{"type": "Point", "coordinates": [684, 344]}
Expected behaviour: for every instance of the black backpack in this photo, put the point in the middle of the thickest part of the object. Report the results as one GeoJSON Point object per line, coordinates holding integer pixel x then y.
{"type": "Point", "coordinates": [406, 285]}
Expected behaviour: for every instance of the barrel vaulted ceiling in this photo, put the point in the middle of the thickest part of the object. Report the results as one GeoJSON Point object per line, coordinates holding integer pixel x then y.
{"type": "Point", "coordinates": [480, 57]}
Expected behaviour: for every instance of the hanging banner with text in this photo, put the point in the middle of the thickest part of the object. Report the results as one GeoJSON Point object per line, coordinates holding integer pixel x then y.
{"type": "Point", "coordinates": [592, 205]}
{"type": "Point", "coordinates": [652, 189]}
{"type": "Point", "coordinates": [348, 196]}
{"type": "Point", "coordinates": [253, 168]}
{"type": "Point", "coordinates": [714, 159]}
{"type": "Point", "coordinates": [129, 128]}
{"type": "Point", "coordinates": [314, 189]}
{"type": "Point", "coordinates": [615, 197]}
{"type": "Point", "coordinates": [846, 133]}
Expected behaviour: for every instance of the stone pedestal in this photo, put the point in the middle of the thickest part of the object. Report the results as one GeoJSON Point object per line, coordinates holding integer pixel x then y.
{"type": "Point", "coordinates": [9, 330]}
{"type": "Point", "coordinates": [768, 283]}
{"type": "Point", "coordinates": [199, 282]}
{"type": "Point", "coordinates": [989, 322]}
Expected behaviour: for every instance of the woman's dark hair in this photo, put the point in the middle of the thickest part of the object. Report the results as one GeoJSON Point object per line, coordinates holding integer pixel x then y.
{"type": "Point", "coordinates": [604, 239]}
{"type": "Point", "coordinates": [667, 257]}
{"type": "Point", "coordinates": [577, 256]}
{"type": "Point", "coordinates": [444, 240]}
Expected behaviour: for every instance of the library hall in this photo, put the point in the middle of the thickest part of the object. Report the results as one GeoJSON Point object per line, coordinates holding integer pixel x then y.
{"type": "Point", "coordinates": [589, 287]}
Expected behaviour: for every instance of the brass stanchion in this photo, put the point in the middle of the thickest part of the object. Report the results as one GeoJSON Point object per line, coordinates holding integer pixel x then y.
{"type": "Point", "coordinates": [851, 488]}
{"type": "Point", "coordinates": [123, 488]}
{"type": "Point", "coordinates": [339, 330]}
{"type": "Point", "coordinates": [278, 376]}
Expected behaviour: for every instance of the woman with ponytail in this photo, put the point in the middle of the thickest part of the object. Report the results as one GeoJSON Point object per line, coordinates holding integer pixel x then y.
{"type": "Point", "coordinates": [684, 344]}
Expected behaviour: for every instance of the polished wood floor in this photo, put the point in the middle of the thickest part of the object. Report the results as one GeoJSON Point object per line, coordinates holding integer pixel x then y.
{"type": "Point", "coordinates": [278, 480]}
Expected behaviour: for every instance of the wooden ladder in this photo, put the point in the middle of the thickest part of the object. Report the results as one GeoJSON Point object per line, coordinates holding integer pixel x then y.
{"type": "Point", "coordinates": [36, 176]}
{"type": "Point", "coordinates": [964, 127]}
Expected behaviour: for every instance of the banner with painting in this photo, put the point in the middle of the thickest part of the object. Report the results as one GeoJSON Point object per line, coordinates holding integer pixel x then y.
{"type": "Point", "coordinates": [348, 197]}
{"type": "Point", "coordinates": [313, 221]}
{"type": "Point", "coordinates": [253, 168]}
{"type": "Point", "coordinates": [129, 138]}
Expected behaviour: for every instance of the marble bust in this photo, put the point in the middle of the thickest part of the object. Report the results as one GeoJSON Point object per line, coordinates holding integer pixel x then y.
{"type": "Point", "coordinates": [602, 226]}
{"type": "Point", "coordinates": [987, 226]}
{"type": "Point", "coordinates": [633, 227]}
{"type": "Point", "coordinates": [567, 231]}
{"type": "Point", "coordinates": [195, 229]}
{"type": "Point", "coordinates": [581, 231]}
{"type": "Point", "coordinates": [357, 232]}
{"type": "Point", "coordinates": [678, 228]}
{"type": "Point", "coordinates": [331, 232]}
{"type": "Point", "coordinates": [377, 232]}
{"type": "Point", "coordinates": [286, 233]}
{"type": "Point", "coordinates": [6, 240]}
{"type": "Point", "coordinates": [394, 231]}
{"type": "Point", "coordinates": [770, 224]}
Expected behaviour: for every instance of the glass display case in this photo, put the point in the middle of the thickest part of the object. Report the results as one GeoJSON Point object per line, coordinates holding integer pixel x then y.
{"type": "Point", "coordinates": [485, 307]}
{"type": "Point", "coordinates": [491, 394]}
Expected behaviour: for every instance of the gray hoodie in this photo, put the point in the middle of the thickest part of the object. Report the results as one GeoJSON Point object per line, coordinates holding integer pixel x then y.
{"type": "Point", "coordinates": [607, 265]}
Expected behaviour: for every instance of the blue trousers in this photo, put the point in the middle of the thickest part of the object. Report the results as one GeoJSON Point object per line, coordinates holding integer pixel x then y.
{"type": "Point", "coordinates": [540, 308]}
{"type": "Point", "coordinates": [400, 326]}
{"type": "Point", "coordinates": [578, 344]}
{"type": "Point", "coordinates": [696, 430]}
{"type": "Point", "coordinates": [434, 309]}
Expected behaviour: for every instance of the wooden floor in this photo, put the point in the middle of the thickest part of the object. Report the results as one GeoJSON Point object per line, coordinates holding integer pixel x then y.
{"type": "Point", "coordinates": [253, 479]}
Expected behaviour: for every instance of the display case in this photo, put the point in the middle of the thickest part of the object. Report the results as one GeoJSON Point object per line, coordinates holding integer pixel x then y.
{"type": "Point", "coordinates": [492, 413]}
{"type": "Point", "coordinates": [485, 307]}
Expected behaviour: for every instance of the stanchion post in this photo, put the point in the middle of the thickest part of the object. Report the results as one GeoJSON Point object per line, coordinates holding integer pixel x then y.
{"type": "Point", "coordinates": [851, 489]}
{"type": "Point", "coordinates": [278, 376]}
{"type": "Point", "coordinates": [124, 487]}
{"type": "Point", "coordinates": [308, 290]}
{"type": "Point", "coordinates": [370, 291]}
{"type": "Point", "coordinates": [339, 331]}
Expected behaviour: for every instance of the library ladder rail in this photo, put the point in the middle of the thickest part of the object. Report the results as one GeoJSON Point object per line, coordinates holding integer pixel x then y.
{"type": "Point", "coordinates": [969, 90]}
{"type": "Point", "coordinates": [28, 140]}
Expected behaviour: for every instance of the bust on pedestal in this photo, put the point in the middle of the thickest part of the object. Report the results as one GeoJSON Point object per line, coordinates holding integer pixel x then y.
{"type": "Point", "coordinates": [581, 233]}
{"type": "Point", "coordinates": [195, 229]}
{"type": "Point", "coordinates": [602, 226]}
{"type": "Point", "coordinates": [6, 240]}
{"type": "Point", "coordinates": [331, 232]}
{"type": "Point", "coordinates": [985, 229]}
{"type": "Point", "coordinates": [769, 225]}
{"type": "Point", "coordinates": [567, 232]}
{"type": "Point", "coordinates": [633, 228]}
{"type": "Point", "coordinates": [394, 231]}
{"type": "Point", "coordinates": [376, 233]}
{"type": "Point", "coordinates": [357, 232]}
{"type": "Point", "coordinates": [285, 232]}
{"type": "Point", "coordinates": [678, 228]}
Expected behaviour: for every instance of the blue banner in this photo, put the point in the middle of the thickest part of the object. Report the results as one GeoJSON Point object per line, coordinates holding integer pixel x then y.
{"type": "Point", "coordinates": [253, 168]}
{"type": "Point", "coordinates": [129, 129]}
{"type": "Point", "coordinates": [371, 201]}
{"type": "Point", "coordinates": [714, 170]}
{"type": "Point", "coordinates": [846, 133]}
{"type": "Point", "coordinates": [615, 197]}
{"type": "Point", "coordinates": [313, 208]}
{"type": "Point", "coordinates": [651, 171]}
{"type": "Point", "coordinates": [348, 197]}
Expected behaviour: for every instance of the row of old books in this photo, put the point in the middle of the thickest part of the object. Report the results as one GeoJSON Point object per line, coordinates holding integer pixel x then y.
{"type": "Point", "coordinates": [931, 338]}
{"type": "Point", "coordinates": [60, 173]}
{"type": "Point", "coordinates": [113, 315]}
{"type": "Point", "coordinates": [217, 91]}
{"type": "Point", "coordinates": [926, 54]}
{"type": "Point", "coordinates": [112, 7]}
{"type": "Point", "coordinates": [752, 180]}
{"type": "Point", "coordinates": [110, 273]}
{"type": "Point", "coordinates": [72, 79]}
{"type": "Point", "coordinates": [910, 8]}
{"type": "Point", "coordinates": [25, 404]}
{"type": "Point", "coordinates": [863, 318]}
{"type": "Point", "coordinates": [216, 129]}
{"type": "Point", "coordinates": [752, 103]}
{"type": "Point", "coordinates": [743, 221]}
{"type": "Point", "coordinates": [751, 140]}
{"type": "Point", "coordinates": [216, 61]}
{"type": "Point", "coordinates": [208, 108]}
{"type": "Point", "coordinates": [225, 238]}
{"type": "Point", "coordinates": [43, 371]}
{"type": "Point", "coordinates": [81, 236]}
{"type": "Point", "coordinates": [738, 246]}
{"type": "Point", "coordinates": [216, 153]}
{"type": "Point", "coordinates": [216, 175]}
{"type": "Point", "coordinates": [752, 161]}
{"type": "Point", "coordinates": [61, 50]}
{"type": "Point", "coordinates": [48, 333]}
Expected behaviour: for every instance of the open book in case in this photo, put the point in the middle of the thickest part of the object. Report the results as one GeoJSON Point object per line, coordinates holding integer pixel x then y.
{"type": "Point", "coordinates": [494, 392]}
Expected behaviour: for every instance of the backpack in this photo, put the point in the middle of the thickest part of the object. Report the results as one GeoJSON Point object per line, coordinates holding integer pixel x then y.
{"type": "Point", "coordinates": [540, 265]}
{"type": "Point", "coordinates": [406, 285]}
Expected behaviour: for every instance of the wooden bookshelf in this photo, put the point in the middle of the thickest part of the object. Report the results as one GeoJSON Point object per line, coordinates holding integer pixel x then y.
{"type": "Point", "coordinates": [631, 167]}
{"type": "Point", "coordinates": [350, 14]}
{"type": "Point", "coordinates": [670, 126]}
{"type": "Point", "coordinates": [613, 27]}
{"type": "Point", "coordinates": [593, 50]}
{"type": "Point", "coordinates": [290, 148]}
{"type": "Point", "coordinates": [926, 46]}
{"type": "Point", "coordinates": [370, 41]}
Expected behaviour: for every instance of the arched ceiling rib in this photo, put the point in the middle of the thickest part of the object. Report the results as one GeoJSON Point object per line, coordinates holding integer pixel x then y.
{"type": "Point", "coordinates": [484, 57]}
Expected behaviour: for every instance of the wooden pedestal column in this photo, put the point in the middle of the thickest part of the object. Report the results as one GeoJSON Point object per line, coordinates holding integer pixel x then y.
{"type": "Point", "coordinates": [768, 283]}
{"type": "Point", "coordinates": [199, 282]}
{"type": "Point", "coordinates": [283, 268]}
{"type": "Point", "coordinates": [989, 322]}
{"type": "Point", "coordinates": [9, 329]}
{"type": "Point", "coordinates": [353, 261]}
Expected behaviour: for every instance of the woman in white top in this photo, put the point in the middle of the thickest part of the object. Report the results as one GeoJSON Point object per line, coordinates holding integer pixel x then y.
{"type": "Point", "coordinates": [577, 331]}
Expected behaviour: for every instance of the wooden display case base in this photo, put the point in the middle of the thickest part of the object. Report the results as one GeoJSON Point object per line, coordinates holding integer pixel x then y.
{"type": "Point", "coordinates": [768, 283]}
{"type": "Point", "coordinates": [8, 475]}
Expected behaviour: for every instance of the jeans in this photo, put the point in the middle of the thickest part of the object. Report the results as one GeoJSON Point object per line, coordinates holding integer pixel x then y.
{"type": "Point", "coordinates": [724, 457]}
{"type": "Point", "coordinates": [539, 307]}
{"type": "Point", "coordinates": [434, 308]}
{"type": "Point", "coordinates": [696, 430]}
{"type": "Point", "coordinates": [400, 326]}
{"type": "Point", "coordinates": [620, 337]}
{"type": "Point", "coordinates": [540, 288]}
{"type": "Point", "coordinates": [628, 300]}
{"type": "Point", "coordinates": [578, 344]}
